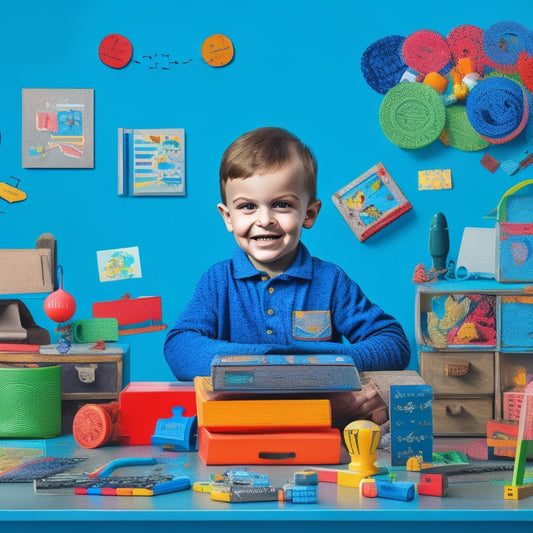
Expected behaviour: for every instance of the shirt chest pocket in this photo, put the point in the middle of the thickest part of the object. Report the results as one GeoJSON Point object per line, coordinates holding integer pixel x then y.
{"type": "Point", "coordinates": [311, 325]}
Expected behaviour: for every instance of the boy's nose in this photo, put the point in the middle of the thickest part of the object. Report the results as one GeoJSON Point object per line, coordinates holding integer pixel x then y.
{"type": "Point", "coordinates": [264, 217]}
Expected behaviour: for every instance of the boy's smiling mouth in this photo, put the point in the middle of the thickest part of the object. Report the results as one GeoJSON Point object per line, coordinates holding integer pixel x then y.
{"type": "Point", "coordinates": [266, 237]}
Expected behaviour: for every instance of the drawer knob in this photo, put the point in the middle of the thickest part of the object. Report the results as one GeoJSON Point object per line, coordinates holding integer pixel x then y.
{"type": "Point", "coordinates": [86, 373]}
{"type": "Point", "coordinates": [455, 410]}
{"type": "Point", "coordinates": [457, 369]}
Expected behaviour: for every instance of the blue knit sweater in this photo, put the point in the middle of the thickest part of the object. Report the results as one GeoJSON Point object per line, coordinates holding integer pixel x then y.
{"type": "Point", "coordinates": [311, 308]}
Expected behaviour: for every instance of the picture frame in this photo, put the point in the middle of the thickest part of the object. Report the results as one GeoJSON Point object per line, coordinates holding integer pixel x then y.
{"type": "Point", "coordinates": [371, 202]}
{"type": "Point", "coordinates": [57, 128]}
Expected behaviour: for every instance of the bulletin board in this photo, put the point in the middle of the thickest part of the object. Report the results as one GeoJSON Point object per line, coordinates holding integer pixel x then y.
{"type": "Point", "coordinates": [295, 65]}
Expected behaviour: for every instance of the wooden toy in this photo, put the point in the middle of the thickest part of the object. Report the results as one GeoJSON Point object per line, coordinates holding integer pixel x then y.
{"type": "Point", "coordinates": [432, 485]}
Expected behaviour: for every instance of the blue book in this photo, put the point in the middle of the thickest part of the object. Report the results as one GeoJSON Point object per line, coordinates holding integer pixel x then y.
{"type": "Point", "coordinates": [284, 373]}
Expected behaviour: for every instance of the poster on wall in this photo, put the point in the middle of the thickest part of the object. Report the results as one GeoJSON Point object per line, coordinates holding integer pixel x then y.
{"type": "Point", "coordinates": [57, 128]}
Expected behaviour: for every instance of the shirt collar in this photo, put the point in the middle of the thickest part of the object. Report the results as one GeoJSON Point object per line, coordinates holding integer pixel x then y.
{"type": "Point", "coordinates": [300, 268]}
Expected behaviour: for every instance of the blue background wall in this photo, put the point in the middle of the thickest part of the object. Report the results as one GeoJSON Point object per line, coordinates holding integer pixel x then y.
{"type": "Point", "coordinates": [296, 66]}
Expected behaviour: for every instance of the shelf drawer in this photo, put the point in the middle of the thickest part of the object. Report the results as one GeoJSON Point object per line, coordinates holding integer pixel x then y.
{"type": "Point", "coordinates": [461, 416]}
{"type": "Point", "coordinates": [458, 373]}
{"type": "Point", "coordinates": [83, 376]}
{"type": "Point", "coordinates": [516, 321]}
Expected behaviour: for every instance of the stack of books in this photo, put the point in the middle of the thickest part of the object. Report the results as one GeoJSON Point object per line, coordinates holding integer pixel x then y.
{"type": "Point", "coordinates": [271, 409]}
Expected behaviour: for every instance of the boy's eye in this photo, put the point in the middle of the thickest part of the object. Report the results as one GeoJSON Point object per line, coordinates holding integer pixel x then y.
{"type": "Point", "coordinates": [248, 206]}
{"type": "Point", "coordinates": [282, 205]}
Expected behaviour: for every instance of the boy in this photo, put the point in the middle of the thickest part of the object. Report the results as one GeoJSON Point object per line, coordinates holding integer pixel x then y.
{"type": "Point", "coordinates": [272, 296]}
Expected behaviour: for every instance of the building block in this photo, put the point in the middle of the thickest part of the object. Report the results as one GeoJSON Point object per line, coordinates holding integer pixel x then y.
{"type": "Point", "coordinates": [142, 404]}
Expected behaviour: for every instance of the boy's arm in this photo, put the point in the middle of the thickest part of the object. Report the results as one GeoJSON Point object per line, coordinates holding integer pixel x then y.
{"type": "Point", "coordinates": [189, 353]}
{"type": "Point", "coordinates": [377, 341]}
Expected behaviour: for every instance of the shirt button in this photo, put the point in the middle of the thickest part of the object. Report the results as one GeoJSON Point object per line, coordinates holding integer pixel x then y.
{"type": "Point", "coordinates": [270, 311]}
{"type": "Point", "coordinates": [264, 278]}
{"type": "Point", "coordinates": [270, 290]}
{"type": "Point", "coordinates": [269, 332]}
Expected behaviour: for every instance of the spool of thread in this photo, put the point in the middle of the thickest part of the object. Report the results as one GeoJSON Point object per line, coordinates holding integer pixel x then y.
{"type": "Point", "coordinates": [437, 81]}
{"type": "Point", "coordinates": [471, 80]}
{"type": "Point", "coordinates": [96, 425]}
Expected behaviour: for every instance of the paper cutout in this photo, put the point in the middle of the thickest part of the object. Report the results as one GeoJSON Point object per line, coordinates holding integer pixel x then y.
{"type": "Point", "coordinates": [434, 179]}
{"type": "Point", "coordinates": [119, 264]}
{"type": "Point", "coordinates": [217, 50]}
{"type": "Point", "coordinates": [115, 50]}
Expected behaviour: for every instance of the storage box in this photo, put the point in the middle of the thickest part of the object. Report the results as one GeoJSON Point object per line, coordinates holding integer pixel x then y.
{"type": "Point", "coordinates": [142, 404]}
{"type": "Point", "coordinates": [514, 234]}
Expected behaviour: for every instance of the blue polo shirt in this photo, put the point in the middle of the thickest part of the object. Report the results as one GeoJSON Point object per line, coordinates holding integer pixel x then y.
{"type": "Point", "coordinates": [313, 307]}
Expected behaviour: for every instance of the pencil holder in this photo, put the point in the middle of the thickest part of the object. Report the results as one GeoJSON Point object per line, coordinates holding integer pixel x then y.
{"type": "Point", "coordinates": [30, 402]}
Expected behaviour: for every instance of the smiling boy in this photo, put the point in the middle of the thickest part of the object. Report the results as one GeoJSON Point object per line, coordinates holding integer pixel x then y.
{"type": "Point", "coordinates": [272, 296]}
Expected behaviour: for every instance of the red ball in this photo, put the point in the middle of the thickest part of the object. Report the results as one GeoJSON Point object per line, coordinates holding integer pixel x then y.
{"type": "Point", "coordinates": [59, 306]}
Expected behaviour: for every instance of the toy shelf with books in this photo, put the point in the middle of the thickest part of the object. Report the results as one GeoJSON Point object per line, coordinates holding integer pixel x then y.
{"type": "Point", "coordinates": [475, 348]}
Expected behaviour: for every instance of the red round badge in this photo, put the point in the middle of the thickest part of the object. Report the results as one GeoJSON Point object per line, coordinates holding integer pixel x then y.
{"type": "Point", "coordinates": [115, 50]}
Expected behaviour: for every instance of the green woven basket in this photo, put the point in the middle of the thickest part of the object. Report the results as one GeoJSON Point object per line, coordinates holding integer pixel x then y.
{"type": "Point", "coordinates": [30, 402]}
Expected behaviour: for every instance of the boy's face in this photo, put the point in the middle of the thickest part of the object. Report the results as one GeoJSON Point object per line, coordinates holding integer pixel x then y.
{"type": "Point", "coordinates": [266, 213]}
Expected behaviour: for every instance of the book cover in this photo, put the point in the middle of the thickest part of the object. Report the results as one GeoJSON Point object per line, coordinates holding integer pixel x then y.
{"type": "Point", "coordinates": [371, 202]}
{"type": "Point", "coordinates": [253, 414]}
{"type": "Point", "coordinates": [273, 448]}
{"type": "Point", "coordinates": [151, 162]}
{"type": "Point", "coordinates": [288, 373]}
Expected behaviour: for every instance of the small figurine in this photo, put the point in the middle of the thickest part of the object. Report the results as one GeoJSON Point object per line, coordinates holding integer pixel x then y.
{"type": "Point", "coordinates": [439, 242]}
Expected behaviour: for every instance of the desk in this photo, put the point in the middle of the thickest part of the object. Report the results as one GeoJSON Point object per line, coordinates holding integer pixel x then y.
{"type": "Point", "coordinates": [338, 507]}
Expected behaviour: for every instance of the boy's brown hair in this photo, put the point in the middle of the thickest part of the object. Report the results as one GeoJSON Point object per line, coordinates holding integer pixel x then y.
{"type": "Point", "coordinates": [265, 149]}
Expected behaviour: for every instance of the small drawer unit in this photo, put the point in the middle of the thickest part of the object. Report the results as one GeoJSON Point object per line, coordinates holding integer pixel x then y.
{"type": "Point", "coordinates": [84, 377]}
{"type": "Point", "coordinates": [475, 347]}
{"type": "Point", "coordinates": [463, 390]}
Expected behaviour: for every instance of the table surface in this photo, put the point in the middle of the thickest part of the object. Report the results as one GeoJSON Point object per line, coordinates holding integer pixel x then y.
{"type": "Point", "coordinates": [468, 498]}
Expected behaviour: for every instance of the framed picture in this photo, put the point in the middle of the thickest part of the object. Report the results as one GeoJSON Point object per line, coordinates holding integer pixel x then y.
{"type": "Point", "coordinates": [57, 128]}
{"type": "Point", "coordinates": [371, 202]}
{"type": "Point", "coordinates": [151, 162]}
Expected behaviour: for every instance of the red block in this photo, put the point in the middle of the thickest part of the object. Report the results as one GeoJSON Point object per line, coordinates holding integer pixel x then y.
{"type": "Point", "coordinates": [142, 404]}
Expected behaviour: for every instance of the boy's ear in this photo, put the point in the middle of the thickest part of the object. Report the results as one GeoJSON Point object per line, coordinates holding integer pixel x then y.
{"type": "Point", "coordinates": [311, 214]}
{"type": "Point", "coordinates": [224, 212]}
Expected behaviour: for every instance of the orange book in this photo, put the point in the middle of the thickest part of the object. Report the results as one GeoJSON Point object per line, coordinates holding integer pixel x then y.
{"type": "Point", "coordinates": [274, 448]}
{"type": "Point", "coordinates": [247, 412]}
